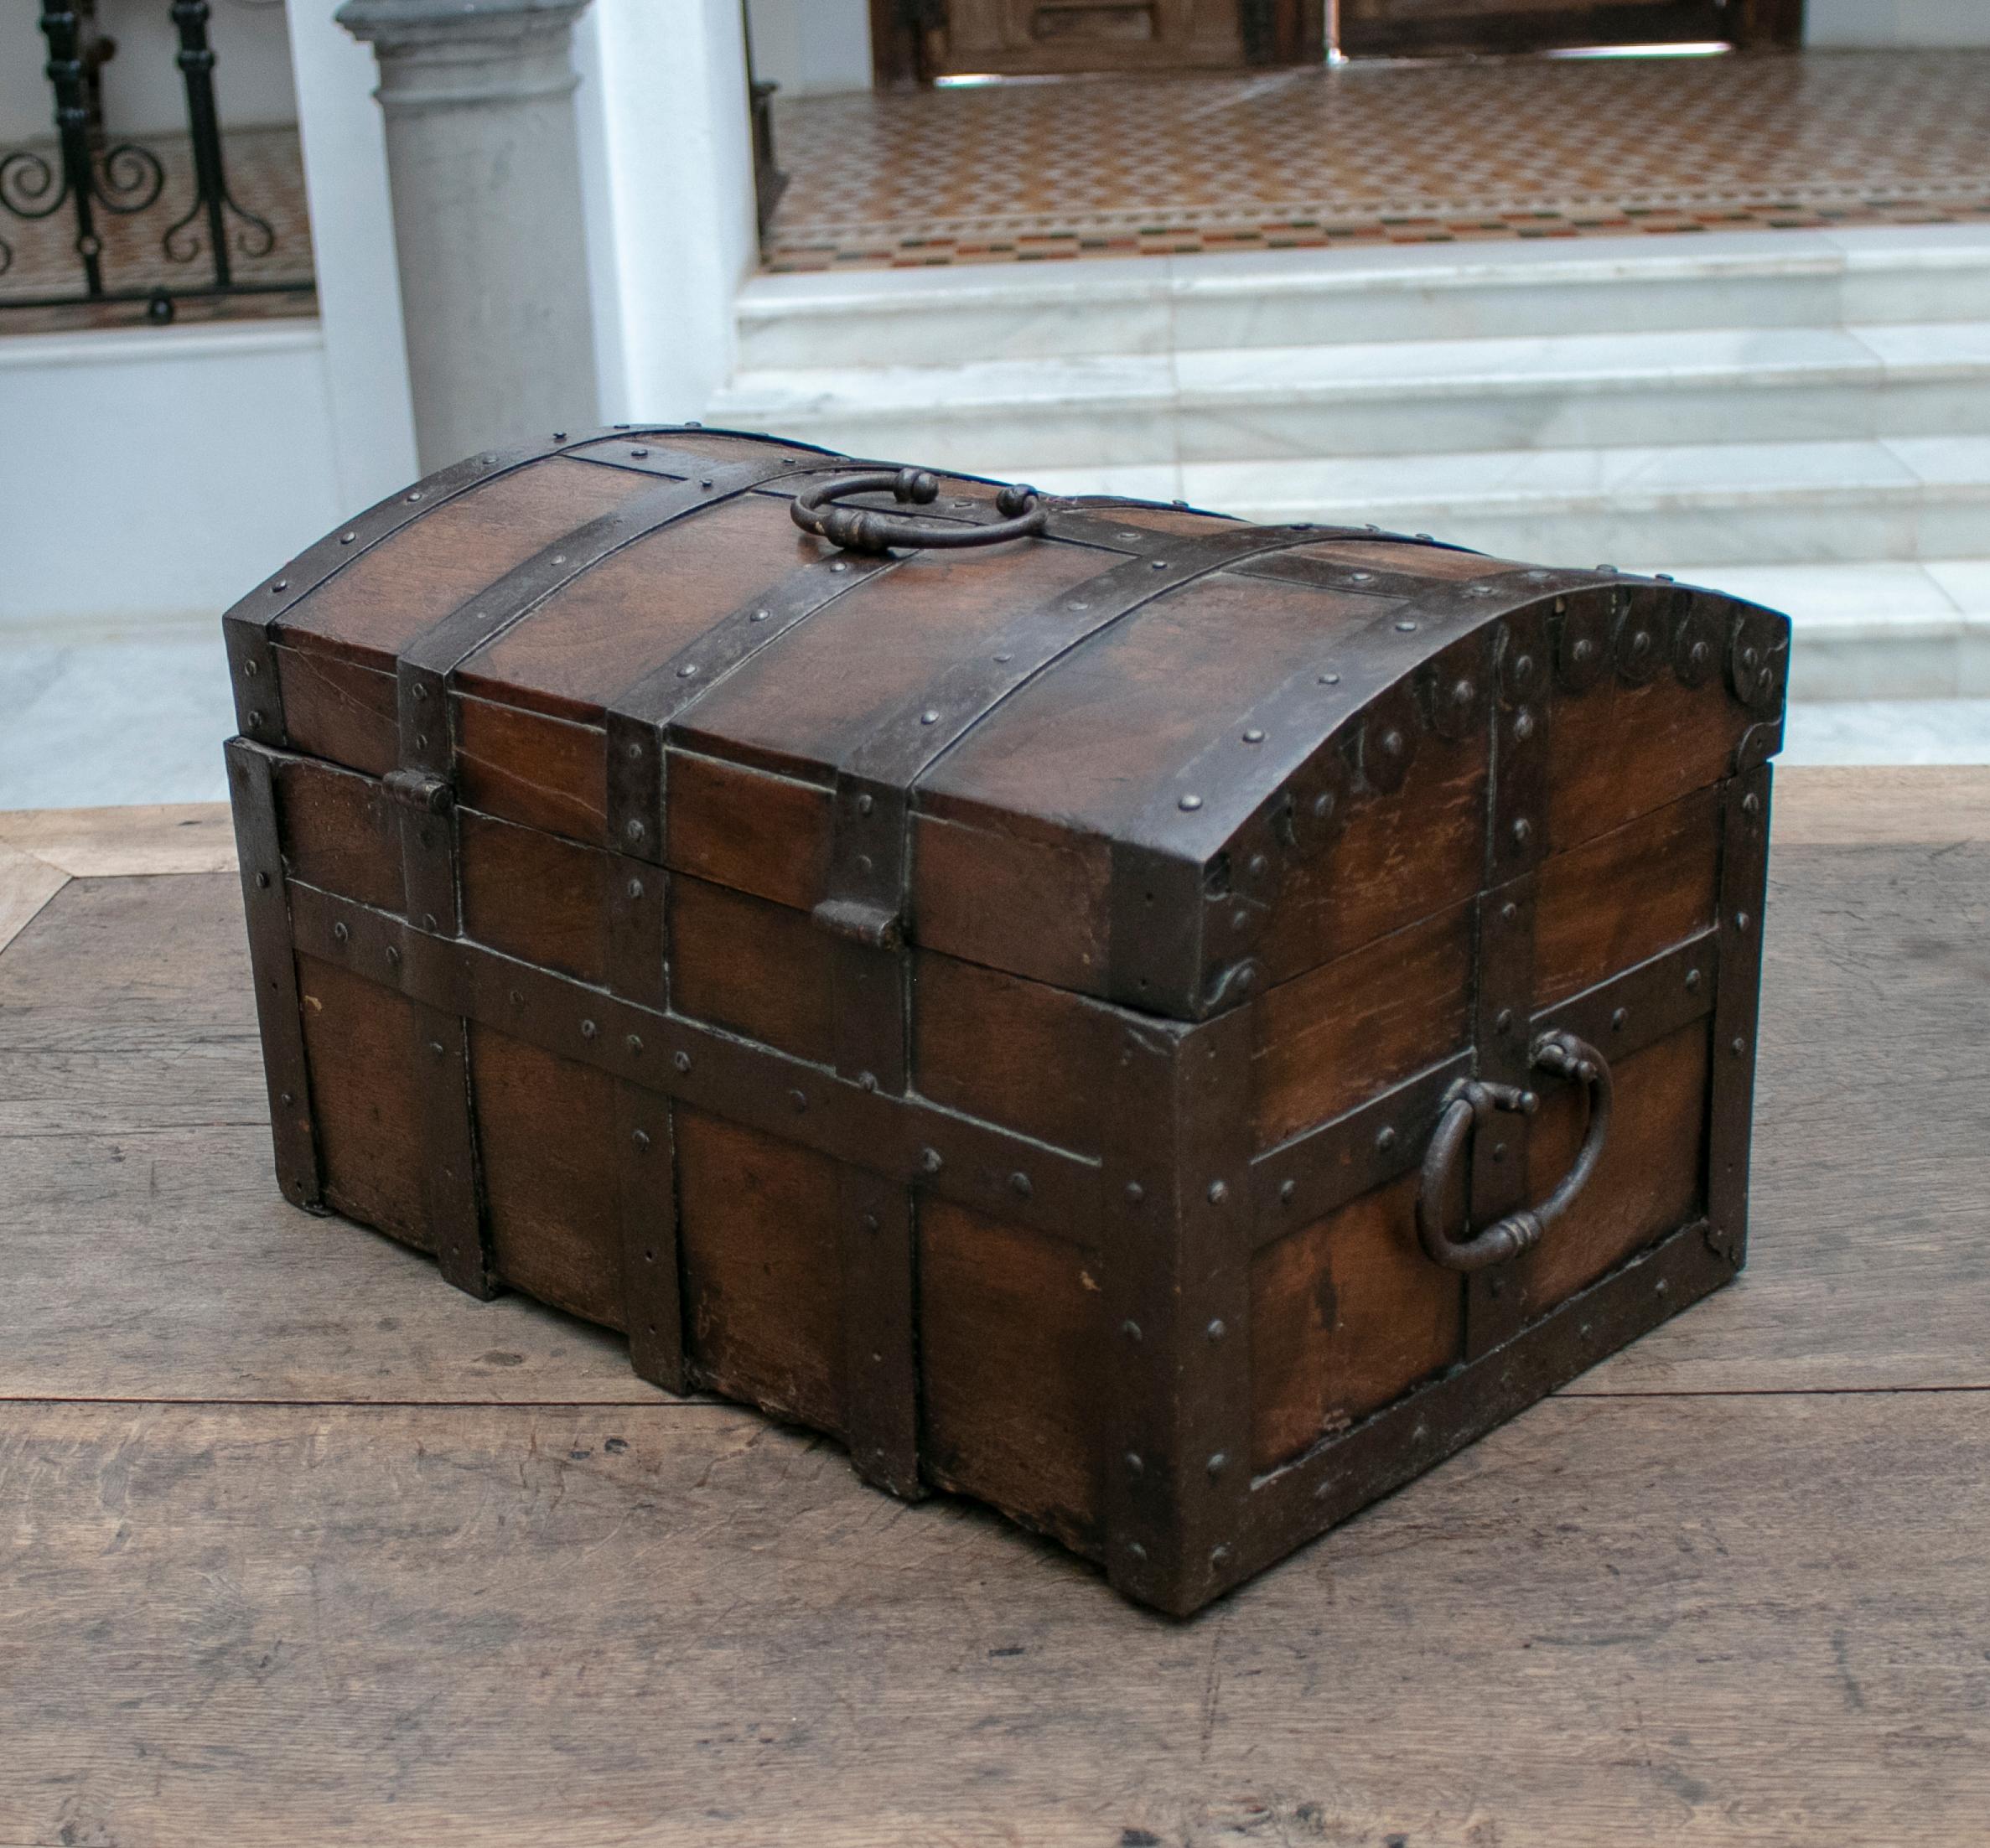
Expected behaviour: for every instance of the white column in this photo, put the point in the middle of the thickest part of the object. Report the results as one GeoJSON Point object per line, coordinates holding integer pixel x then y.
{"type": "Point", "coordinates": [666, 159]}
{"type": "Point", "coordinates": [352, 243]}
{"type": "Point", "coordinates": [483, 167]}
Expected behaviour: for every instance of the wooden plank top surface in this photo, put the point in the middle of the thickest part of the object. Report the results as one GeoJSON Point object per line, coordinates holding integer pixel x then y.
{"type": "Point", "coordinates": [302, 1546]}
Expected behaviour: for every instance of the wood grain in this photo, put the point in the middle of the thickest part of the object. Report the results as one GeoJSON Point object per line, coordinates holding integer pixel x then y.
{"type": "Point", "coordinates": [1698, 1620]}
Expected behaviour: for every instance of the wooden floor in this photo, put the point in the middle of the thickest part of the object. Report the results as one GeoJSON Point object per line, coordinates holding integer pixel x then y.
{"type": "Point", "coordinates": [301, 1546]}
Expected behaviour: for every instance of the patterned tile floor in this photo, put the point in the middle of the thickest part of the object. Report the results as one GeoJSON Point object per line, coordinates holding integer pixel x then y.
{"type": "Point", "coordinates": [266, 173]}
{"type": "Point", "coordinates": [1372, 154]}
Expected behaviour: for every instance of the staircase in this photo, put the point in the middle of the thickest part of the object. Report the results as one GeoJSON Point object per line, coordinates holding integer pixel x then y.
{"type": "Point", "coordinates": [1802, 418]}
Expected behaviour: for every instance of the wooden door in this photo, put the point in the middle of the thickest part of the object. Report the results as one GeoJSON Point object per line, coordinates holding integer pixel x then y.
{"type": "Point", "coordinates": [1395, 28]}
{"type": "Point", "coordinates": [1036, 37]}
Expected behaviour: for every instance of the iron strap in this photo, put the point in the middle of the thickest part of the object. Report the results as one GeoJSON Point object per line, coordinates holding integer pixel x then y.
{"type": "Point", "coordinates": [1744, 881]}
{"type": "Point", "coordinates": [874, 783]}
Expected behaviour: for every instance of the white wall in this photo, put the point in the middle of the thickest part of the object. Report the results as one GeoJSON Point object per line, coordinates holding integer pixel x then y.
{"type": "Point", "coordinates": [1938, 23]}
{"type": "Point", "coordinates": [143, 90]}
{"type": "Point", "coordinates": [666, 167]}
{"type": "Point", "coordinates": [812, 48]}
{"type": "Point", "coordinates": [157, 473]}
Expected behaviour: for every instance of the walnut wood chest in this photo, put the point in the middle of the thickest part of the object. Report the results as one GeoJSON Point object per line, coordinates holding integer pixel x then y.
{"type": "Point", "coordinates": [1168, 1026]}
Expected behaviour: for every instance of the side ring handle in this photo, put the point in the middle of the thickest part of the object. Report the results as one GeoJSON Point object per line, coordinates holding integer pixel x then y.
{"type": "Point", "coordinates": [862, 529]}
{"type": "Point", "coordinates": [1468, 1107]}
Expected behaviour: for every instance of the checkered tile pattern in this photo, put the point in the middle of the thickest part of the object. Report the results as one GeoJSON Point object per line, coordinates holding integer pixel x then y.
{"type": "Point", "coordinates": [1396, 153]}
{"type": "Point", "coordinates": [265, 173]}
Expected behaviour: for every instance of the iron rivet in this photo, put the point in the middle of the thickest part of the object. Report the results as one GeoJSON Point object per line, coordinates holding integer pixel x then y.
{"type": "Point", "coordinates": [688, 671]}
{"type": "Point", "coordinates": [1523, 831]}
{"type": "Point", "coordinates": [1583, 648]}
{"type": "Point", "coordinates": [1019, 1184]}
{"type": "Point", "coordinates": [928, 717]}
{"type": "Point", "coordinates": [1641, 644]}
{"type": "Point", "coordinates": [1134, 1465]}
{"type": "Point", "coordinates": [559, 436]}
{"type": "Point", "coordinates": [1508, 911]}
{"type": "Point", "coordinates": [1330, 679]}
{"type": "Point", "coordinates": [1323, 805]}
{"type": "Point", "coordinates": [255, 722]}
{"type": "Point", "coordinates": [706, 482]}
{"type": "Point", "coordinates": [1385, 1139]}
{"type": "Point", "coordinates": [1217, 1329]}
{"type": "Point", "coordinates": [262, 880]}
{"type": "Point", "coordinates": [1004, 659]}
{"type": "Point", "coordinates": [1135, 1550]}
{"type": "Point", "coordinates": [340, 932]}
{"type": "Point", "coordinates": [286, 1099]}
{"type": "Point", "coordinates": [1190, 803]}
{"type": "Point", "coordinates": [1741, 920]}
{"type": "Point", "coordinates": [249, 670]}
{"type": "Point", "coordinates": [865, 804]}
{"type": "Point", "coordinates": [1287, 1189]}
{"type": "Point", "coordinates": [649, 1255]}
{"type": "Point", "coordinates": [587, 1029]}
{"type": "Point", "coordinates": [347, 538]}
{"type": "Point", "coordinates": [634, 1044]}
{"type": "Point", "coordinates": [870, 1222]}
{"type": "Point", "coordinates": [1697, 656]}
{"type": "Point", "coordinates": [516, 999]}
{"type": "Point", "coordinates": [639, 452]}
{"type": "Point", "coordinates": [1135, 1193]}
{"type": "Point", "coordinates": [1499, 1153]}
{"type": "Point", "coordinates": [416, 495]}
{"type": "Point", "coordinates": [640, 1138]}
{"type": "Point", "coordinates": [1157, 564]}
{"type": "Point", "coordinates": [1361, 578]}
{"type": "Point", "coordinates": [1215, 1466]}
{"type": "Point", "coordinates": [1523, 725]}
{"type": "Point", "coordinates": [1751, 804]}
{"type": "Point", "coordinates": [760, 615]}
{"type": "Point", "coordinates": [799, 1100]}
{"type": "Point", "coordinates": [393, 957]}
{"type": "Point", "coordinates": [928, 1159]}
{"type": "Point", "coordinates": [1130, 1330]}
{"type": "Point", "coordinates": [1738, 1046]}
{"type": "Point", "coordinates": [1219, 1192]}
{"type": "Point", "coordinates": [1392, 743]}
{"type": "Point", "coordinates": [867, 1081]}
{"type": "Point", "coordinates": [1661, 1287]}
{"type": "Point", "coordinates": [435, 1046]}
{"type": "Point", "coordinates": [1254, 734]}
{"type": "Point", "coordinates": [1523, 671]}
{"type": "Point", "coordinates": [682, 1062]}
{"type": "Point", "coordinates": [282, 583]}
{"type": "Point", "coordinates": [1219, 1555]}
{"type": "Point", "coordinates": [1619, 1020]}
{"type": "Point", "coordinates": [1240, 920]}
{"type": "Point", "coordinates": [428, 920]}
{"type": "Point", "coordinates": [1503, 1020]}
{"type": "Point", "coordinates": [1405, 628]}
{"type": "Point", "coordinates": [635, 889]}
{"type": "Point", "coordinates": [842, 564]}
{"type": "Point", "coordinates": [1692, 978]}
{"type": "Point", "coordinates": [635, 830]}
{"type": "Point", "coordinates": [634, 750]}
{"type": "Point", "coordinates": [1081, 606]}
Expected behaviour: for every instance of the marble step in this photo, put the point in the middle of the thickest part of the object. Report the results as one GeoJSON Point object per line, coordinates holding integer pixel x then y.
{"type": "Point", "coordinates": [947, 316]}
{"type": "Point", "coordinates": [1908, 499]}
{"type": "Point", "coordinates": [1392, 398]}
{"type": "Point", "coordinates": [1874, 630]}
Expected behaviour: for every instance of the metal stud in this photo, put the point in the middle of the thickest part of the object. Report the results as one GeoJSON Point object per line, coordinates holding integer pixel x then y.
{"type": "Point", "coordinates": [339, 932]}
{"type": "Point", "coordinates": [635, 830]}
{"type": "Point", "coordinates": [1254, 734]}
{"type": "Point", "coordinates": [799, 1100]}
{"type": "Point", "coordinates": [435, 1046]}
{"type": "Point", "coordinates": [393, 957]}
{"type": "Point", "coordinates": [262, 880]}
{"type": "Point", "coordinates": [635, 889]}
{"type": "Point", "coordinates": [688, 671]}
{"type": "Point", "coordinates": [929, 1159]}
{"type": "Point", "coordinates": [1219, 1192]}
{"type": "Point", "coordinates": [1523, 726]}
{"type": "Point", "coordinates": [1189, 804]}
{"type": "Point", "coordinates": [1385, 1139]}
{"type": "Point", "coordinates": [1692, 979]}
{"type": "Point", "coordinates": [640, 1138]}
{"type": "Point", "coordinates": [634, 1044]}
{"type": "Point", "coordinates": [865, 804]}
{"type": "Point", "coordinates": [1217, 1329]}
{"type": "Point", "coordinates": [682, 1061]}
{"type": "Point", "coordinates": [1738, 1046]}
{"type": "Point", "coordinates": [930, 716]}
{"type": "Point", "coordinates": [1741, 920]}
{"type": "Point", "coordinates": [1287, 1189]}
{"type": "Point", "coordinates": [587, 1029]}
{"type": "Point", "coordinates": [1130, 1330]}
{"type": "Point", "coordinates": [1523, 831]}
{"type": "Point", "coordinates": [639, 452]}
{"type": "Point", "coordinates": [347, 538]}
{"type": "Point", "coordinates": [1216, 1463]}
{"type": "Point", "coordinates": [759, 616]}
{"type": "Point", "coordinates": [1330, 679]}
{"type": "Point", "coordinates": [1019, 1184]}
{"type": "Point", "coordinates": [1619, 1020]}
{"type": "Point", "coordinates": [1405, 628]}
{"type": "Point", "coordinates": [282, 583]}
{"type": "Point", "coordinates": [1135, 1465]}
{"type": "Point", "coordinates": [1135, 1193]}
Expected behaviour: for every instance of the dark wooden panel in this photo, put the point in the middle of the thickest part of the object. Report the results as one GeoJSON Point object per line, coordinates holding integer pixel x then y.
{"type": "Point", "coordinates": [1010, 1333]}
{"type": "Point", "coordinates": [757, 1231]}
{"type": "Point", "coordinates": [1015, 1052]}
{"type": "Point", "coordinates": [1327, 1040]}
{"type": "Point", "coordinates": [340, 832]}
{"type": "Point", "coordinates": [359, 1040]}
{"type": "Point", "coordinates": [335, 710]}
{"type": "Point", "coordinates": [534, 896]}
{"type": "Point", "coordinates": [1626, 895]}
{"type": "Point", "coordinates": [1651, 1177]}
{"type": "Point", "coordinates": [393, 591]}
{"type": "Point", "coordinates": [756, 968]}
{"type": "Point", "coordinates": [1030, 902]}
{"type": "Point", "coordinates": [1347, 1314]}
{"type": "Point", "coordinates": [544, 772]}
{"type": "Point", "coordinates": [1371, 28]}
{"type": "Point", "coordinates": [1619, 751]}
{"type": "Point", "coordinates": [759, 833]}
{"type": "Point", "coordinates": [545, 1135]}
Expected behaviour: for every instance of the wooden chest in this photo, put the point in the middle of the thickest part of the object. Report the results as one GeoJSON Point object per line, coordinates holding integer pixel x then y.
{"type": "Point", "coordinates": [1168, 1026]}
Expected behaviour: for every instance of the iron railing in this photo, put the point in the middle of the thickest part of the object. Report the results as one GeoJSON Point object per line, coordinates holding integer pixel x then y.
{"type": "Point", "coordinates": [94, 177]}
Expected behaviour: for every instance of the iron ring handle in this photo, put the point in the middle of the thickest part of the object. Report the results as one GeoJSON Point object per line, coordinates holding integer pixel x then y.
{"type": "Point", "coordinates": [1469, 1104]}
{"type": "Point", "coordinates": [863, 529]}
